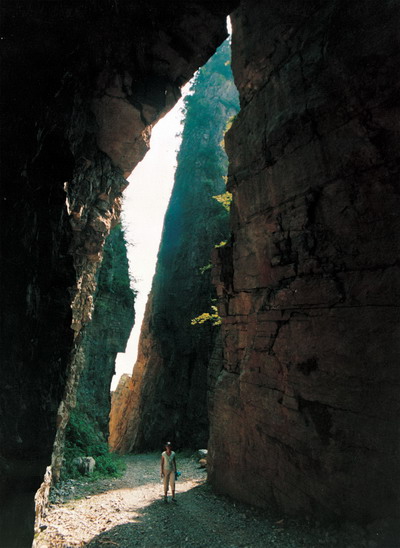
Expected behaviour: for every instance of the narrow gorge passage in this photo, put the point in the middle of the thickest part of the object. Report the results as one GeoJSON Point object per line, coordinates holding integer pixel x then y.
{"type": "Point", "coordinates": [166, 396]}
{"type": "Point", "coordinates": [129, 511]}
{"type": "Point", "coordinates": [302, 405]}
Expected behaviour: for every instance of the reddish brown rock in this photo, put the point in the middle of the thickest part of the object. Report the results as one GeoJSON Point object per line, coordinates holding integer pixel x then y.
{"type": "Point", "coordinates": [119, 397]}
{"type": "Point", "coordinates": [125, 412]}
{"type": "Point", "coordinates": [305, 410]}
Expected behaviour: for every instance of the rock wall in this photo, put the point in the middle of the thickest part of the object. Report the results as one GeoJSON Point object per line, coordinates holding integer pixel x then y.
{"type": "Point", "coordinates": [167, 394]}
{"type": "Point", "coordinates": [106, 335]}
{"type": "Point", "coordinates": [305, 411]}
{"type": "Point", "coordinates": [308, 286]}
{"type": "Point", "coordinates": [82, 85]}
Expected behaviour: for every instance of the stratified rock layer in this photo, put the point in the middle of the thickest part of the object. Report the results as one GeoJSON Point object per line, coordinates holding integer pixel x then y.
{"type": "Point", "coordinates": [167, 395]}
{"type": "Point", "coordinates": [305, 413]}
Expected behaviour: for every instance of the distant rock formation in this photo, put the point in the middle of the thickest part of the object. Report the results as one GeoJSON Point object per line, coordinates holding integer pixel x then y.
{"type": "Point", "coordinates": [167, 395]}
{"type": "Point", "coordinates": [119, 398]}
{"type": "Point", "coordinates": [108, 333]}
{"type": "Point", "coordinates": [105, 336]}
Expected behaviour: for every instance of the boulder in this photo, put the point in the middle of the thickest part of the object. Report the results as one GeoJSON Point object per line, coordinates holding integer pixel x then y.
{"type": "Point", "coordinates": [85, 465]}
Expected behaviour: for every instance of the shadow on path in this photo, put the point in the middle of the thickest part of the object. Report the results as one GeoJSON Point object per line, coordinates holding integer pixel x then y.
{"type": "Point", "coordinates": [201, 519]}
{"type": "Point", "coordinates": [130, 511]}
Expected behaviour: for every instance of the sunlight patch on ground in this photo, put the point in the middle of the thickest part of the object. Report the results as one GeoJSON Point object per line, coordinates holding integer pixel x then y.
{"type": "Point", "coordinates": [98, 514]}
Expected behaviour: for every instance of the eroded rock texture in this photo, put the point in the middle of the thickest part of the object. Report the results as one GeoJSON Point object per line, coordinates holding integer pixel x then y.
{"type": "Point", "coordinates": [105, 336]}
{"type": "Point", "coordinates": [166, 398]}
{"type": "Point", "coordinates": [305, 413]}
{"type": "Point", "coordinates": [82, 84]}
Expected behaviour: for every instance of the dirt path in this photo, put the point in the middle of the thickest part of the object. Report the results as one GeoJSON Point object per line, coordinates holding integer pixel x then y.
{"type": "Point", "coordinates": [130, 512]}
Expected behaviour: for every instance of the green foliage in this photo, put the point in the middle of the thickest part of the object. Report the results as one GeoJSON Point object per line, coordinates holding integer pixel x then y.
{"type": "Point", "coordinates": [227, 128]}
{"type": "Point", "coordinates": [109, 464]}
{"type": "Point", "coordinates": [114, 271]}
{"type": "Point", "coordinates": [213, 102]}
{"type": "Point", "coordinates": [214, 97]}
{"type": "Point", "coordinates": [83, 440]}
{"type": "Point", "coordinates": [205, 268]}
{"type": "Point", "coordinates": [212, 317]}
{"type": "Point", "coordinates": [224, 199]}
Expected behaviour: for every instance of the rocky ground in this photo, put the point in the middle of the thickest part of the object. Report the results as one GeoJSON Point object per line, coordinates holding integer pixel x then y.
{"type": "Point", "coordinates": [130, 511]}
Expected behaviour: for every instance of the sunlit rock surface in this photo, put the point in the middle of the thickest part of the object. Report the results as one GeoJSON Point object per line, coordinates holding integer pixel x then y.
{"type": "Point", "coordinates": [305, 413]}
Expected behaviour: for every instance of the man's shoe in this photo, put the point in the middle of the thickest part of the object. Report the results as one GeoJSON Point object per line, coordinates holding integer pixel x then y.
{"type": "Point", "coordinates": [174, 499]}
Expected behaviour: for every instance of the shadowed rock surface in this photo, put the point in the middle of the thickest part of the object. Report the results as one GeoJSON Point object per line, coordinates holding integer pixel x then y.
{"type": "Point", "coordinates": [166, 398]}
{"type": "Point", "coordinates": [306, 409]}
{"type": "Point", "coordinates": [105, 336]}
{"type": "Point", "coordinates": [82, 84]}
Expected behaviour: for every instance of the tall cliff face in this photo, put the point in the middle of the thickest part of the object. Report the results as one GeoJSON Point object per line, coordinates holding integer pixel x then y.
{"type": "Point", "coordinates": [305, 411]}
{"type": "Point", "coordinates": [308, 282]}
{"type": "Point", "coordinates": [167, 395]}
{"type": "Point", "coordinates": [82, 85]}
{"type": "Point", "coordinates": [105, 336]}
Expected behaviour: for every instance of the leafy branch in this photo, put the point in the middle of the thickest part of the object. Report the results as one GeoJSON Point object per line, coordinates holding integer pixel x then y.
{"type": "Point", "coordinates": [212, 317]}
{"type": "Point", "coordinates": [224, 199]}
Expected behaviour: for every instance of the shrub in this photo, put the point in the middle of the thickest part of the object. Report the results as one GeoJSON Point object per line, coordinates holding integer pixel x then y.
{"type": "Point", "coordinates": [212, 317]}
{"type": "Point", "coordinates": [224, 199]}
{"type": "Point", "coordinates": [83, 440]}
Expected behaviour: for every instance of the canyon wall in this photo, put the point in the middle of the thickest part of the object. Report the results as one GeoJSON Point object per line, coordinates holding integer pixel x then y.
{"type": "Point", "coordinates": [105, 336]}
{"type": "Point", "coordinates": [305, 413]}
{"type": "Point", "coordinates": [305, 410]}
{"type": "Point", "coordinates": [166, 398]}
{"type": "Point", "coordinates": [82, 85]}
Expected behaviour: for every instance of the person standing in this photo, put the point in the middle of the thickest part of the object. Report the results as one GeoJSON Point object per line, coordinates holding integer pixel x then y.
{"type": "Point", "coordinates": [168, 470]}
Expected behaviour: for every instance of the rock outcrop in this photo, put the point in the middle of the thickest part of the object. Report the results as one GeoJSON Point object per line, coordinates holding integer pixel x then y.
{"type": "Point", "coordinates": [306, 408]}
{"type": "Point", "coordinates": [105, 336]}
{"type": "Point", "coordinates": [82, 85]}
{"type": "Point", "coordinates": [108, 333]}
{"type": "Point", "coordinates": [167, 395]}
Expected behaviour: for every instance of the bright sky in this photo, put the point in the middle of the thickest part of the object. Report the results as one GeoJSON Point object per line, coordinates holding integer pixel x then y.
{"type": "Point", "coordinates": [145, 202]}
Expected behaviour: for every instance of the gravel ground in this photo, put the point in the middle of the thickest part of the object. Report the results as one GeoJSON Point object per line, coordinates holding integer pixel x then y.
{"type": "Point", "coordinates": [130, 511]}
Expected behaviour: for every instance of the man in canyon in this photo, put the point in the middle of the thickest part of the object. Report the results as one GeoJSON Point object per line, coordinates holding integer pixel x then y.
{"type": "Point", "coordinates": [168, 470]}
